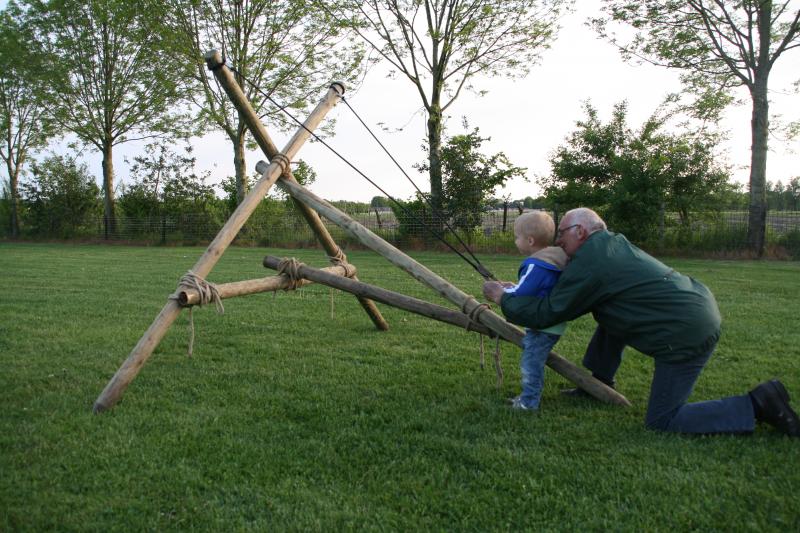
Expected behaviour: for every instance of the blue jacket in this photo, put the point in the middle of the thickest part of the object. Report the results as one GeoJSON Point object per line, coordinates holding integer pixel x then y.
{"type": "Point", "coordinates": [537, 278]}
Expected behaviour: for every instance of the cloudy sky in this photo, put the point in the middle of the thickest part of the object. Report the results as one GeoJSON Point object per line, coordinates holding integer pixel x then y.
{"type": "Point", "coordinates": [527, 119]}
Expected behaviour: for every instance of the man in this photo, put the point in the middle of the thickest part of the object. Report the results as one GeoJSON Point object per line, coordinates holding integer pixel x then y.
{"type": "Point", "coordinates": [640, 302]}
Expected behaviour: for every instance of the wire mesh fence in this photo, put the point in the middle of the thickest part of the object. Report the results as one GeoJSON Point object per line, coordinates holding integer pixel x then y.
{"type": "Point", "coordinates": [718, 232]}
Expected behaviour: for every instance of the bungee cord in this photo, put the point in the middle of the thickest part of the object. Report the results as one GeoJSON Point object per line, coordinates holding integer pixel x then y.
{"type": "Point", "coordinates": [473, 261]}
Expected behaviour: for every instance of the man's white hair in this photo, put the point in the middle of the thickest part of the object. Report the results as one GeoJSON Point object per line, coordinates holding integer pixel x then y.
{"type": "Point", "coordinates": [587, 218]}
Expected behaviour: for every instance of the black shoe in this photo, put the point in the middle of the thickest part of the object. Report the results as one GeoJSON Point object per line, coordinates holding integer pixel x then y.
{"type": "Point", "coordinates": [771, 405]}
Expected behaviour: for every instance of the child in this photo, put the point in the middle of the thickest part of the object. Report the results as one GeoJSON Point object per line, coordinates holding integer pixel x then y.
{"type": "Point", "coordinates": [534, 232]}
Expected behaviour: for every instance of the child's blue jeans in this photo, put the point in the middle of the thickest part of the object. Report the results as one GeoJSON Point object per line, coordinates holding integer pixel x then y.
{"type": "Point", "coordinates": [536, 347]}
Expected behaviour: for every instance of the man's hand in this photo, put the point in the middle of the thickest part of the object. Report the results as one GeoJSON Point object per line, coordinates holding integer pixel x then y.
{"type": "Point", "coordinates": [493, 291]}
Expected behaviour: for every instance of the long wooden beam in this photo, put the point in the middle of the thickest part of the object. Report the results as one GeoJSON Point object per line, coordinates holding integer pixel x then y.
{"type": "Point", "coordinates": [417, 306]}
{"type": "Point", "coordinates": [379, 294]}
{"type": "Point", "coordinates": [259, 132]}
{"type": "Point", "coordinates": [144, 348]}
{"type": "Point", "coordinates": [465, 302]}
{"type": "Point", "coordinates": [187, 297]}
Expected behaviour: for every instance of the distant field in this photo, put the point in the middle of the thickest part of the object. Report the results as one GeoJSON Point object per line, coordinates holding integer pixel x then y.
{"type": "Point", "coordinates": [295, 414]}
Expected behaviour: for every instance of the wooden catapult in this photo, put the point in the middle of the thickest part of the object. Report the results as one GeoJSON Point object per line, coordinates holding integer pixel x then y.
{"type": "Point", "coordinates": [473, 315]}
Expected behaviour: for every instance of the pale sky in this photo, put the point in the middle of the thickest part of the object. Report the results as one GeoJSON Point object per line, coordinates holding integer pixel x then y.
{"type": "Point", "coordinates": [527, 119]}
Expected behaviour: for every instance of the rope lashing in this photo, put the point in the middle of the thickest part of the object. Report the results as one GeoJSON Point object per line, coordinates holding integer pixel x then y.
{"type": "Point", "coordinates": [473, 316]}
{"type": "Point", "coordinates": [339, 258]}
{"type": "Point", "coordinates": [207, 292]}
{"type": "Point", "coordinates": [290, 267]}
{"type": "Point", "coordinates": [282, 160]}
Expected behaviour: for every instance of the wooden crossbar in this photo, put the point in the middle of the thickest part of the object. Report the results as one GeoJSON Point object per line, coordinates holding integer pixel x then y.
{"type": "Point", "coordinates": [187, 297]}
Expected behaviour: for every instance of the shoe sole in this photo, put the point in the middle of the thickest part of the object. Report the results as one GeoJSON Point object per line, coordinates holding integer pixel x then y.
{"type": "Point", "coordinates": [778, 387]}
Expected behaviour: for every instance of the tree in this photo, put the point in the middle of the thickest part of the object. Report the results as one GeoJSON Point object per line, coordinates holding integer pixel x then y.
{"type": "Point", "coordinates": [165, 185]}
{"type": "Point", "coordinates": [441, 47]}
{"type": "Point", "coordinates": [379, 201]}
{"type": "Point", "coordinates": [718, 45]}
{"type": "Point", "coordinates": [61, 196]}
{"type": "Point", "coordinates": [23, 106]}
{"type": "Point", "coordinates": [151, 174]}
{"type": "Point", "coordinates": [793, 193]}
{"type": "Point", "coordinates": [632, 177]}
{"type": "Point", "coordinates": [469, 178]}
{"type": "Point", "coordinates": [108, 74]}
{"type": "Point", "coordinates": [285, 49]}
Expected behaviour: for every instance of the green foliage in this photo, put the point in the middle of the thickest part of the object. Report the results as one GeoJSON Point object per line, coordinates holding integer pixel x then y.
{"type": "Point", "coordinates": [25, 125]}
{"type": "Point", "coordinates": [413, 216]}
{"type": "Point", "coordinates": [108, 76]}
{"type": "Point", "coordinates": [165, 191]}
{"type": "Point", "coordinates": [633, 177]}
{"type": "Point", "coordinates": [61, 198]}
{"type": "Point", "coordinates": [123, 87]}
{"type": "Point", "coordinates": [286, 50]}
{"type": "Point", "coordinates": [704, 41]}
{"type": "Point", "coordinates": [441, 48]}
{"type": "Point", "coordinates": [380, 201]}
{"type": "Point", "coordinates": [151, 173]}
{"type": "Point", "coordinates": [470, 178]}
{"type": "Point", "coordinates": [784, 197]}
{"type": "Point", "coordinates": [791, 242]}
{"type": "Point", "coordinates": [716, 46]}
{"type": "Point", "coordinates": [267, 428]}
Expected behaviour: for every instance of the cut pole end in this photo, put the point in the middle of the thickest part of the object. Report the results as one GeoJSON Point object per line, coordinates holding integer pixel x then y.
{"type": "Point", "coordinates": [338, 86]}
{"type": "Point", "coordinates": [213, 59]}
{"type": "Point", "coordinates": [261, 166]}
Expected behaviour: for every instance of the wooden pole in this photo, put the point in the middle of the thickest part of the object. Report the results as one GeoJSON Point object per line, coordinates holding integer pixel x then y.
{"type": "Point", "coordinates": [144, 348]}
{"type": "Point", "coordinates": [419, 307]}
{"type": "Point", "coordinates": [465, 302]}
{"type": "Point", "coordinates": [189, 297]}
{"type": "Point", "coordinates": [378, 294]}
{"type": "Point", "coordinates": [259, 132]}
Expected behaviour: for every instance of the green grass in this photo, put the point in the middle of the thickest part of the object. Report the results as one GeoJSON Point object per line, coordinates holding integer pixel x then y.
{"type": "Point", "coordinates": [290, 419]}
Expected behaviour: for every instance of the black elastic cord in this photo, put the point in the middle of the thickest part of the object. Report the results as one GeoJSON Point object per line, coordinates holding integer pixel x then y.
{"type": "Point", "coordinates": [479, 268]}
{"type": "Point", "coordinates": [422, 195]}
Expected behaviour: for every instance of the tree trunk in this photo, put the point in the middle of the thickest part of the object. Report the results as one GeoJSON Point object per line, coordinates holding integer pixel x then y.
{"type": "Point", "coordinates": [239, 163]}
{"type": "Point", "coordinates": [757, 219]}
{"type": "Point", "coordinates": [108, 187]}
{"type": "Point", "coordinates": [435, 160]}
{"type": "Point", "coordinates": [759, 127]}
{"type": "Point", "coordinates": [13, 173]}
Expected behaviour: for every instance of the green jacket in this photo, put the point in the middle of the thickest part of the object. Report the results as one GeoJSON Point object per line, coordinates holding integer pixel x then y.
{"type": "Point", "coordinates": [658, 311]}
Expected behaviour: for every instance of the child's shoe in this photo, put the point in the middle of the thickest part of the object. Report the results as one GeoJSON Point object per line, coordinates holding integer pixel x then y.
{"type": "Point", "coordinates": [517, 405]}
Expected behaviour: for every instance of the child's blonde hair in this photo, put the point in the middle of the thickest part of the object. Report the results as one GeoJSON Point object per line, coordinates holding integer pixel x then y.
{"type": "Point", "coordinates": [536, 224]}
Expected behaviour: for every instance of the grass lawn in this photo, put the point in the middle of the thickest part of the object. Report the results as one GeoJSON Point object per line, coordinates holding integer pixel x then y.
{"type": "Point", "coordinates": [291, 418]}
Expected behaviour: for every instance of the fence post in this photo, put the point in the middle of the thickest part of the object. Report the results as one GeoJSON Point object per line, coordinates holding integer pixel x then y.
{"type": "Point", "coordinates": [163, 228]}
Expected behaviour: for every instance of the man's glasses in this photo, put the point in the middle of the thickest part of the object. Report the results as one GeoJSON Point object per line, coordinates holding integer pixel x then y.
{"type": "Point", "coordinates": [562, 231]}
